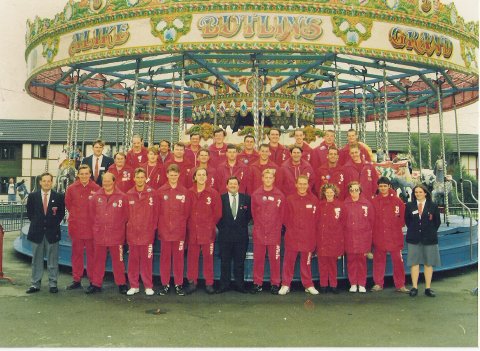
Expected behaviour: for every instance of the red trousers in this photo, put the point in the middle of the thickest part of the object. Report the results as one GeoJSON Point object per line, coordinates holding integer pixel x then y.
{"type": "Point", "coordinates": [259, 252]}
{"type": "Point", "coordinates": [289, 260]}
{"type": "Point", "coordinates": [379, 260]}
{"type": "Point", "coordinates": [78, 246]}
{"type": "Point", "coordinates": [193, 255]}
{"type": "Point", "coordinates": [357, 269]}
{"type": "Point", "coordinates": [140, 260]}
{"type": "Point", "coordinates": [171, 250]}
{"type": "Point", "coordinates": [116, 254]}
{"type": "Point", "coordinates": [327, 268]}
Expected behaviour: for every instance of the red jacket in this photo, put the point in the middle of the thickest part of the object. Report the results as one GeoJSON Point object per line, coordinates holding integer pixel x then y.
{"type": "Point", "coordinates": [110, 215]}
{"type": "Point", "coordinates": [301, 220]}
{"type": "Point", "coordinates": [206, 212]}
{"type": "Point", "coordinates": [155, 174]}
{"type": "Point", "coordinates": [168, 157]}
{"type": "Point", "coordinates": [330, 241]}
{"type": "Point", "coordinates": [344, 154]}
{"type": "Point", "coordinates": [239, 170]}
{"type": "Point", "coordinates": [366, 174]}
{"type": "Point", "coordinates": [290, 173]}
{"type": "Point", "coordinates": [191, 155]}
{"type": "Point", "coordinates": [334, 175]}
{"type": "Point", "coordinates": [389, 221]}
{"type": "Point", "coordinates": [123, 178]}
{"type": "Point", "coordinates": [217, 155]}
{"type": "Point", "coordinates": [77, 199]}
{"type": "Point", "coordinates": [320, 154]}
{"type": "Point", "coordinates": [268, 210]}
{"type": "Point", "coordinates": [134, 160]}
{"type": "Point", "coordinates": [143, 216]}
{"type": "Point", "coordinates": [358, 225]}
{"type": "Point", "coordinates": [279, 154]}
{"type": "Point", "coordinates": [174, 210]}
{"type": "Point", "coordinates": [256, 170]}
{"type": "Point", "coordinates": [307, 152]}
{"type": "Point", "coordinates": [186, 172]}
{"type": "Point", "coordinates": [248, 159]}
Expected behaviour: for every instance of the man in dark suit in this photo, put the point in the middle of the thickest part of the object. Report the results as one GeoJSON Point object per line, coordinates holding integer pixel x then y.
{"type": "Point", "coordinates": [233, 235]}
{"type": "Point", "coordinates": [98, 162]}
{"type": "Point", "coordinates": [45, 210]}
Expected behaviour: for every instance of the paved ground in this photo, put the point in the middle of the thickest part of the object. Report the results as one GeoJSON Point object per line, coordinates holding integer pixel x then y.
{"type": "Point", "coordinates": [108, 319]}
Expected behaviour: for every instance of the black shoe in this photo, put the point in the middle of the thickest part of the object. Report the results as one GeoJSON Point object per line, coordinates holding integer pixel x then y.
{"type": "Point", "coordinates": [209, 289]}
{"type": "Point", "coordinates": [92, 289]}
{"type": "Point", "coordinates": [53, 289]}
{"type": "Point", "coordinates": [323, 290]}
{"type": "Point", "coordinates": [256, 289]}
{"type": "Point", "coordinates": [164, 290]}
{"type": "Point", "coordinates": [74, 285]}
{"type": "Point", "coordinates": [274, 289]}
{"type": "Point", "coordinates": [240, 289]}
{"type": "Point", "coordinates": [32, 290]}
{"type": "Point", "coordinates": [413, 292]}
{"type": "Point", "coordinates": [335, 290]}
{"type": "Point", "coordinates": [191, 288]}
{"type": "Point", "coordinates": [429, 293]}
{"type": "Point", "coordinates": [122, 289]}
{"type": "Point", "coordinates": [179, 290]}
{"type": "Point", "coordinates": [221, 290]}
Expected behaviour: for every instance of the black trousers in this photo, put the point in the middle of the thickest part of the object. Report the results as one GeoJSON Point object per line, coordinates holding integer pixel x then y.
{"type": "Point", "coordinates": [236, 251]}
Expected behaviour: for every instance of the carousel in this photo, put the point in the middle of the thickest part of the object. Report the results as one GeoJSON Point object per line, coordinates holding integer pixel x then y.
{"type": "Point", "coordinates": [325, 64]}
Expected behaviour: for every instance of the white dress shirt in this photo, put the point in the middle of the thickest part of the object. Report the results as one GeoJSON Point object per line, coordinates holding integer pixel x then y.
{"type": "Point", "coordinates": [230, 199]}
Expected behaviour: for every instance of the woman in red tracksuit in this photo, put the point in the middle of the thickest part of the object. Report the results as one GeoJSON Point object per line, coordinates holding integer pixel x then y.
{"type": "Point", "coordinates": [154, 170]}
{"type": "Point", "coordinates": [109, 210]}
{"type": "Point", "coordinates": [388, 236]}
{"type": "Point", "coordinates": [358, 226]}
{"type": "Point", "coordinates": [205, 213]}
{"type": "Point", "coordinates": [142, 222]}
{"type": "Point", "coordinates": [329, 237]}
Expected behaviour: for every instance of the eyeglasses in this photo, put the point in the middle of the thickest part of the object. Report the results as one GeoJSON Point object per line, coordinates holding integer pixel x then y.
{"type": "Point", "coordinates": [354, 190]}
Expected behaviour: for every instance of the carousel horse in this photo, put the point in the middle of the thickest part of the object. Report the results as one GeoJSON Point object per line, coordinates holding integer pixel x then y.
{"type": "Point", "coordinates": [399, 174]}
{"type": "Point", "coordinates": [66, 175]}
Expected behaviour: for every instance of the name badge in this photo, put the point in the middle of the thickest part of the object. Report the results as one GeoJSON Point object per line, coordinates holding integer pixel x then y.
{"type": "Point", "coordinates": [415, 212]}
{"type": "Point", "coordinates": [102, 168]}
{"type": "Point", "coordinates": [308, 206]}
{"type": "Point", "coordinates": [271, 198]}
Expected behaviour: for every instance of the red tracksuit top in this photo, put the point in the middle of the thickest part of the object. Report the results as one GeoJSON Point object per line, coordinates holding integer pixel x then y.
{"type": "Point", "coordinates": [301, 219]}
{"type": "Point", "coordinates": [290, 173]}
{"type": "Point", "coordinates": [239, 170]}
{"type": "Point", "coordinates": [155, 175]}
{"type": "Point", "coordinates": [330, 241]}
{"type": "Point", "coordinates": [143, 216]}
{"type": "Point", "coordinates": [123, 178]}
{"type": "Point", "coordinates": [191, 155]}
{"type": "Point", "coordinates": [334, 175]}
{"type": "Point", "coordinates": [358, 225]}
{"type": "Point", "coordinates": [307, 152]}
{"type": "Point", "coordinates": [268, 213]}
{"type": "Point", "coordinates": [320, 154]}
{"type": "Point", "coordinates": [256, 170]}
{"type": "Point", "coordinates": [389, 221]}
{"type": "Point", "coordinates": [77, 199]}
{"type": "Point", "coordinates": [174, 210]}
{"type": "Point", "coordinates": [205, 213]}
{"type": "Point", "coordinates": [110, 215]}
{"type": "Point", "coordinates": [134, 160]}
{"type": "Point", "coordinates": [217, 155]}
{"type": "Point", "coordinates": [248, 159]}
{"type": "Point", "coordinates": [367, 176]}
{"type": "Point", "coordinates": [344, 154]}
{"type": "Point", "coordinates": [186, 172]}
{"type": "Point", "coordinates": [279, 154]}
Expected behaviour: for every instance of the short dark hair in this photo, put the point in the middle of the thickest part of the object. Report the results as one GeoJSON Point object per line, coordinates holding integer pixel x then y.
{"type": "Point", "coordinates": [233, 178]}
{"type": "Point", "coordinates": [220, 130]}
{"type": "Point", "coordinates": [231, 147]}
{"type": "Point", "coordinates": [384, 180]}
{"type": "Point", "coordinates": [44, 174]}
{"type": "Point", "coordinates": [98, 141]}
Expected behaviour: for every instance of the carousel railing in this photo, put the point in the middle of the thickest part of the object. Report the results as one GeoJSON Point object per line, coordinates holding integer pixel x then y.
{"type": "Point", "coordinates": [12, 215]}
{"type": "Point", "coordinates": [466, 208]}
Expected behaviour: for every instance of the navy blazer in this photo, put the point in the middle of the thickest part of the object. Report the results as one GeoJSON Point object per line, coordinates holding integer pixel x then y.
{"type": "Point", "coordinates": [42, 225]}
{"type": "Point", "coordinates": [234, 230]}
{"type": "Point", "coordinates": [106, 162]}
{"type": "Point", "coordinates": [422, 229]}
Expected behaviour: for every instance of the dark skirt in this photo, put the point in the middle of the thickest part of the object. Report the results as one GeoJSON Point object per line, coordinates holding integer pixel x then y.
{"type": "Point", "coordinates": [423, 254]}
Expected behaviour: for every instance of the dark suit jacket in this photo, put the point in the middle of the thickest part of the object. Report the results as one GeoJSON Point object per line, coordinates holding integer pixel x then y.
{"type": "Point", "coordinates": [106, 162]}
{"type": "Point", "coordinates": [234, 230]}
{"type": "Point", "coordinates": [422, 229]}
{"type": "Point", "coordinates": [45, 225]}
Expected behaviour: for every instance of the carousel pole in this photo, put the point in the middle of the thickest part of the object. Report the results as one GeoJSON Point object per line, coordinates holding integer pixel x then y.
{"type": "Point", "coordinates": [386, 108]}
{"type": "Point", "coordinates": [409, 128]}
{"type": "Point", "coordinates": [429, 141]}
{"type": "Point", "coordinates": [458, 151]}
{"type": "Point", "coordinates": [134, 107]}
{"type": "Point", "coordinates": [152, 107]}
{"type": "Point", "coordinates": [442, 150]}
{"type": "Point", "coordinates": [50, 128]}
{"type": "Point", "coordinates": [375, 123]}
{"type": "Point", "coordinates": [126, 120]}
{"type": "Point", "coordinates": [172, 110]}
{"type": "Point", "coordinates": [355, 109]}
{"type": "Point", "coordinates": [77, 123]}
{"type": "Point", "coordinates": [72, 124]}
{"type": "Point", "coordinates": [264, 108]}
{"type": "Point", "coordinates": [256, 126]}
{"type": "Point", "coordinates": [102, 107]}
{"type": "Point", "coordinates": [419, 140]}
{"type": "Point", "coordinates": [337, 107]}
{"type": "Point", "coordinates": [296, 105]}
{"type": "Point", "coordinates": [181, 123]}
{"type": "Point", "coordinates": [363, 125]}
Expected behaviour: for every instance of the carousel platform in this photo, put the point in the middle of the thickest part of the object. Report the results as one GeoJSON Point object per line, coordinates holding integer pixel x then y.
{"type": "Point", "coordinates": [458, 248]}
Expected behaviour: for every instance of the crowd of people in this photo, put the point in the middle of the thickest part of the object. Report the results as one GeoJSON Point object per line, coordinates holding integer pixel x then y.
{"type": "Point", "coordinates": [326, 201]}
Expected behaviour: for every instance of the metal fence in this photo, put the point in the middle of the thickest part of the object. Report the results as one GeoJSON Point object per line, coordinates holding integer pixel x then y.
{"type": "Point", "coordinates": [12, 215]}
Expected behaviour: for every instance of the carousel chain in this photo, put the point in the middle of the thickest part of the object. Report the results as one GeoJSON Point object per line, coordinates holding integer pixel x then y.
{"type": "Point", "coordinates": [337, 108]}
{"type": "Point", "coordinates": [264, 110]}
{"type": "Point", "coordinates": [385, 108]}
{"type": "Point", "coordinates": [77, 123]}
{"type": "Point", "coordinates": [419, 141]}
{"type": "Point", "coordinates": [429, 141]}
{"type": "Point", "coordinates": [458, 149]}
{"type": "Point", "coordinates": [363, 125]}
{"type": "Point", "coordinates": [102, 108]}
{"type": "Point", "coordinates": [215, 104]}
{"type": "Point", "coordinates": [70, 111]}
{"type": "Point", "coordinates": [72, 125]}
{"type": "Point", "coordinates": [126, 123]}
{"type": "Point", "coordinates": [442, 149]}
{"type": "Point", "coordinates": [256, 128]}
{"type": "Point", "coordinates": [50, 129]}
{"type": "Point", "coordinates": [375, 123]}
{"type": "Point", "coordinates": [151, 115]}
{"type": "Point", "coordinates": [296, 105]}
{"type": "Point", "coordinates": [181, 120]}
{"type": "Point", "coordinates": [85, 129]}
{"type": "Point", "coordinates": [134, 107]}
{"type": "Point", "coordinates": [409, 129]}
{"type": "Point", "coordinates": [172, 110]}
{"type": "Point", "coordinates": [355, 111]}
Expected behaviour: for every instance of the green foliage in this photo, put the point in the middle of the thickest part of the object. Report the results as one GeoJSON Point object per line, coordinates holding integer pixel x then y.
{"type": "Point", "coordinates": [436, 151]}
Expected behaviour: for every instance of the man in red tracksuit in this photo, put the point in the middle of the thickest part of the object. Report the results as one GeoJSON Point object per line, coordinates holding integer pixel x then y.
{"type": "Point", "coordinates": [174, 210]}
{"type": "Point", "coordinates": [109, 210]}
{"type": "Point", "coordinates": [137, 154]}
{"type": "Point", "coordinates": [141, 225]}
{"type": "Point", "coordinates": [218, 148]}
{"type": "Point", "coordinates": [257, 168]}
{"type": "Point", "coordinates": [204, 162]}
{"type": "Point", "coordinates": [79, 224]}
{"type": "Point", "coordinates": [185, 167]}
{"type": "Point", "coordinates": [388, 236]}
{"type": "Point", "coordinates": [123, 173]}
{"type": "Point", "coordinates": [352, 140]}
{"type": "Point", "coordinates": [206, 212]}
{"type": "Point", "coordinates": [248, 155]}
{"type": "Point", "coordinates": [307, 151]}
{"type": "Point", "coordinates": [154, 169]}
{"type": "Point", "coordinates": [301, 220]}
{"type": "Point", "coordinates": [268, 206]}
{"type": "Point", "coordinates": [292, 168]}
{"type": "Point", "coordinates": [363, 172]}
{"type": "Point", "coordinates": [331, 173]}
{"type": "Point", "coordinates": [278, 153]}
{"type": "Point", "coordinates": [192, 150]}
{"type": "Point", "coordinates": [320, 153]}
{"type": "Point", "coordinates": [232, 168]}
{"type": "Point", "coordinates": [164, 154]}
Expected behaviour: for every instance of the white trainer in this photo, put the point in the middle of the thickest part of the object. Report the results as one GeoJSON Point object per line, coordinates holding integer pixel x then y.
{"type": "Point", "coordinates": [353, 289]}
{"type": "Point", "coordinates": [133, 291]}
{"type": "Point", "coordinates": [284, 290]}
{"type": "Point", "coordinates": [311, 290]}
{"type": "Point", "coordinates": [149, 292]}
{"type": "Point", "coordinates": [362, 289]}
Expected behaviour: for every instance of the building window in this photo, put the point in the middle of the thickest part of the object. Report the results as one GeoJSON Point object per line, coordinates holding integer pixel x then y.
{"type": "Point", "coordinates": [4, 184]}
{"type": "Point", "coordinates": [39, 151]}
{"type": "Point", "coordinates": [7, 152]}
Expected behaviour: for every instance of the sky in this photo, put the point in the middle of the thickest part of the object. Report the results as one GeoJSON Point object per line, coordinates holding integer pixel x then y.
{"type": "Point", "coordinates": [15, 103]}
